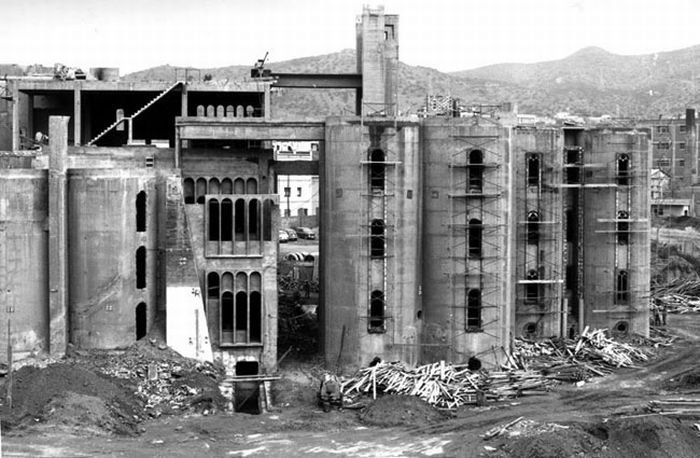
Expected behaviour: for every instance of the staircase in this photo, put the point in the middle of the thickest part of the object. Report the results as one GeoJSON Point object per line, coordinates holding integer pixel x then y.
{"type": "Point", "coordinates": [133, 116]}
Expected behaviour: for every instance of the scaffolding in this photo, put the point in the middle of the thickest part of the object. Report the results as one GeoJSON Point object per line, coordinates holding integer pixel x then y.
{"type": "Point", "coordinates": [377, 222]}
{"type": "Point", "coordinates": [539, 242]}
{"type": "Point", "coordinates": [476, 241]}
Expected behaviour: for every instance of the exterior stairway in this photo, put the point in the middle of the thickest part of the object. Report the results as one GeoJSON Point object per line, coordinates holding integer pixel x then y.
{"type": "Point", "coordinates": [133, 116]}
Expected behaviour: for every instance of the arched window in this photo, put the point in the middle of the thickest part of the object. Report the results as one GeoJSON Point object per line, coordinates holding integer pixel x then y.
{"type": "Point", "coordinates": [251, 186]}
{"type": "Point", "coordinates": [377, 170]}
{"type": "Point", "coordinates": [533, 227]}
{"type": "Point", "coordinates": [227, 281]}
{"type": "Point", "coordinates": [622, 287]}
{"type": "Point", "coordinates": [240, 111]}
{"type": "Point", "coordinates": [376, 311]}
{"type": "Point", "coordinates": [213, 285]}
{"type": "Point", "coordinates": [241, 310]}
{"type": "Point", "coordinates": [475, 238]}
{"type": "Point", "coordinates": [214, 186]}
{"type": "Point", "coordinates": [377, 238]}
{"type": "Point", "coordinates": [141, 320]}
{"type": "Point", "coordinates": [267, 220]}
{"type": "Point", "coordinates": [623, 169]}
{"type": "Point", "coordinates": [201, 190]}
{"type": "Point", "coordinates": [201, 111]}
{"type": "Point", "coordinates": [227, 318]}
{"type": "Point", "coordinates": [214, 220]}
{"type": "Point", "coordinates": [226, 186]}
{"type": "Point", "coordinates": [230, 111]}
{"type": "Point", "coordinates": [249, 111]}
{"type": "Point", "coordinates": [532, 290]}
{"type": "Point", "coordinates": [476, 171]}
{"type": "Point", "coordinates": [211, 111]}
{"type": "Point", "coordinates": [141, 212]}
{"type": "Point", "coordinates": [474, 310]}
{"type": "Point", "coordinates": [220, 111]}
{"type": "Point", "coordinates": [254, 219]}
{"type": "Point", "coordinates": [226, 220]}
{"type": "Point", "coordinates": [239, 186]}
{"type": "Point", "coordinates": [623, 228]}
{"type": "Point", "coordinates": [141, 267]}
{"type": "Point", "coordinates": [188, 190]}
{"type": "Point", "coordinates": [533, 169]}
{"type": "Point", "coordinates": [239, 220]}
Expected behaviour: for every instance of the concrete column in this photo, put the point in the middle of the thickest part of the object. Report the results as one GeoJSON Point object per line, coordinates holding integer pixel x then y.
{"type": "Point", "coordinates": [184, 109]}
{"type": "Point", "coordinates": [58, 235]}
{"type": "Point", "coordinates": [77, 127]}
{"type": "Point", "coordinates": [15, 116]}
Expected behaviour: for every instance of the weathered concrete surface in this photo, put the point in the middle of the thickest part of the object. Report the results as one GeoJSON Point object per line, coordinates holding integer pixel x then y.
{"type": "Point", "coordinates": [58, 237]}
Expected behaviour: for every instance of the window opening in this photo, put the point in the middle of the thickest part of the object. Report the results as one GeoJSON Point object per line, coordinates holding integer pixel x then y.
{"type": "Point", "coordinates": [141, 267]}
{"type": "Point", "coordinates": [533, 227]}
{"type": "Point", "coordinates": [213, 220]}
{"type": "Point", "coordinates": [254, 219]}
{"type": "Point", "coordinates": [214, 187]}
{"type": "Point", "coordinates": [623, 228]}
{"type": "Point", "coordinates": [141, 321]}
{"type": "Point", "coordinates": [238, 186]}
{"type": "Point", "coordinates": [476, 171]}
{"type": "Point", "coordinates": [532, 289]}
{"type": "Point", "coordinates": [623, 169]}
{"type": "Point", "coordinates": [622, 294]}
{"type": "Point", "coordinates": [267, 220]}
{"type": "Point", "coordinates": [474, 310]}
{"type": "Point", "coordinates": [377, 238]}
{"type": "Point", "coordinates": [226, 220]}
{"type": "Point", "coordinates": [377, 170]}
{"type": "Point", "coordinates": [141, 212]}
{"type": "Point", "coordinates": [226, 186]}
{"type": "Point", "coordinates": [251, 186]}
{"type": "Point", "coordinates": [533, 169]}
{"type": "Point", "coordinates": [188, 190]}
{"type": "Point", "coordinates": [201, 190]}
{"type": "Point", "coordinates": [239, 220]}
{"type": "Point", "coordinates": [213, 285]}
{"type": "Point", "coordinates": [475, 238]}
{"type": "Point", "coordinates": [227, 317]}
{"type": "Point", "coordinates": [376, 311]}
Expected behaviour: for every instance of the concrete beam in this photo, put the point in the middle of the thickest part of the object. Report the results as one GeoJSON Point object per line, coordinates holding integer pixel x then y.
{"type": "Point", "coordinates": [318, 80]}
{"type": "Point", "coordinates": [58, 235]}
{"type": "Point", "coordinates": [296, 167]}
{"type": "Point", "coordinates": [77, 107]}
{"type": "Point", "coordinates": [127, 86]}
{"type": "Point", "coordinates": [194, 128]}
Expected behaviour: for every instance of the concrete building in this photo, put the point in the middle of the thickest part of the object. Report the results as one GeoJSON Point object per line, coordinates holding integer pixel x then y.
{"type": "Point", "coordinates": [440, 238]}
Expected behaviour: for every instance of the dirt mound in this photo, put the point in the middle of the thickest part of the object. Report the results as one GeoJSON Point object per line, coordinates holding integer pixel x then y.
{"type": "Point", "coordinates": [641, 437]}
{"type": "Point", "coordinates": [396, 410]}
{"type": "Point", "coordinates": [54, 393]}
{"type": "Point", "coordinates": [689, 380]}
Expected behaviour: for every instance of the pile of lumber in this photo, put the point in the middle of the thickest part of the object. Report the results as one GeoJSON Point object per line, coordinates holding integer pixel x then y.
{"type": "Point", "coordinates": [570, 360]}
{"type": "Point", "coordinates": [679, 296]}
{"type": "Point", "coordinates": [676, 407]}
{"type": "Point", "coordinates": [444, 385]}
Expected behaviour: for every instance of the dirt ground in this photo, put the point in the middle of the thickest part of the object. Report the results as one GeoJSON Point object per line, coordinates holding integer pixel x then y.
{"type": "Point", "coordinates": [605, 417]}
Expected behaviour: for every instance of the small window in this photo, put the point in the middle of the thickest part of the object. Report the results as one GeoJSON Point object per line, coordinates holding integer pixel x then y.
{"type": "Point", "coordinates": [141, 267]}
{"type": "Point", "coordinates": [663, 162]}
{"type": "Point", "coordinates": [532, 290]}
{"type": "Point", "coordinates": [298, 192]}
{"type": "Point", "coordinates": [533, 227]}
{"type": "Point", "coordinates": [287, 192]}
{"type": "Point", "coordinates": [533, 169]}
{"type": "Point", "coordinates": [661, 129]}
{"type": "Point", "coordinates": [681, 162]}
{"type": "Point", "coordinates": [622, 294]}
{"type": "Point", "coordinates": [475, 238]}
{"type": "Point", "coordinates": [623, 169]}
{"type": "Point", "coordinates": [474, 310]}
{"type": "Point", "coordinates": [681, 145]}
{"type": "Point", "coordinates": [141, 212]}
{"type": "Point", "coordinates": [682, 129]}
{"type": "Point", "coordinates": [376, 312]}
{"type": "Point", "coordinates": [663, 145]}
{"type": "Point", "coordinates": [623, 228]}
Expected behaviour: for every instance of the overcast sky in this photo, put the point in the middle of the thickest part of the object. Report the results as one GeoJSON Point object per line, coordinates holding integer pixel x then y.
{"type": "Point", "coordinates": [448, 35]}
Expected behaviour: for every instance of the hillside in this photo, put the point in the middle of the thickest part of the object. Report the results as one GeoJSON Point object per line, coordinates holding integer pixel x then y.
{"type": "Point", "coordinates": [591, 81]}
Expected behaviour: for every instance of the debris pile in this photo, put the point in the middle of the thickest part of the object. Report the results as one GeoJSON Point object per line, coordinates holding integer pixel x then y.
{"type": "Point", "coordinates": [570, 360]}
{"type": "Point", "coordinates": [165, 381]}
{"type": "Point", "coordinates": [443, 385]}
{"type": "Point", "coordinates": [679, 296]}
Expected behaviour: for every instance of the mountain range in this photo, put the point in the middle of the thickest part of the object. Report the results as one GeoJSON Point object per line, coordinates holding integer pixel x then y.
{"type": "Point", "coordinates": [590, 82]}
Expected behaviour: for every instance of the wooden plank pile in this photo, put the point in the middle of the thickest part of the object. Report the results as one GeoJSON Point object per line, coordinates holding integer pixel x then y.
{"type": "Point", "coordinates": [570, 360]}
{"type": "Point", "coordinates": [676, 407]}
{"type": "Point", "coordinates": [443, 385]}
{"type": "Point", "coordinates": [679, 296]}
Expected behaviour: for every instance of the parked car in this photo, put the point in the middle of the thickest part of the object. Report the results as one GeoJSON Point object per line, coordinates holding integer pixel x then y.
{"type": "Point", "coordinates": [305, 233]}
{"type": "Point", "coordinates": [291, 233]}
{"type": "Point", "coordinates": [283, 236]}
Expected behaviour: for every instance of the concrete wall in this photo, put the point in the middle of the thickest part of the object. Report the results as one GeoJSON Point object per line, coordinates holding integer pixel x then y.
{"type": "Point", "coordinates": [540, 316]}
{"type": "Point", "coordinates": [24, 273]}
{"type": "Point", "coordinates": [348, 207]}
{"type": "Point", "coordinates": [605, 255]}
{"type": "Point", "coordinates": [449, 272]}
{"type": "Point", "coordinates": [103, 243]}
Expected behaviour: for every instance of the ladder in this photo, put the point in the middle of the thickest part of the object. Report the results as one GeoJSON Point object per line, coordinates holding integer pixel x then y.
{"type": "Point", "coordinates": [133, 116]}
